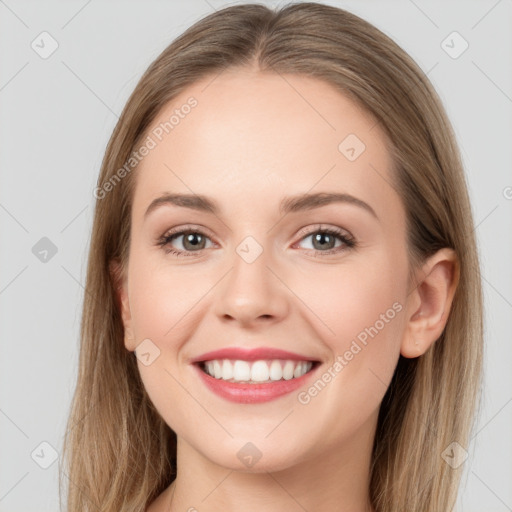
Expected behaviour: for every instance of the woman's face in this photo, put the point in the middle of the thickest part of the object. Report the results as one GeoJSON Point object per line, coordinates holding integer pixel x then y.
{"type": "Point", "coordinates": [257, 270]}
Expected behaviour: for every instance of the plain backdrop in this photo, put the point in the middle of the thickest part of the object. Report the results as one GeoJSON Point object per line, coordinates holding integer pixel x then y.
{"type": "Point", "coordinates": [57, 112]}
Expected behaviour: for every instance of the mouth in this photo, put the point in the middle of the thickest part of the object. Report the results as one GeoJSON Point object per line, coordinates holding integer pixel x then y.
{"type": "Point", "coordinates": [254, 375]}
{"type": "Point", "coordinates": [256, 372]}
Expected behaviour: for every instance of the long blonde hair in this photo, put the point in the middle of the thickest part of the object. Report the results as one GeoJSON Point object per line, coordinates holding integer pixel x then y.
{"type": "Point", "coordinates": [119, 453]}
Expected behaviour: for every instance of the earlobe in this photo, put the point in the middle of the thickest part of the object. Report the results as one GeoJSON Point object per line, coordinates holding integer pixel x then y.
{"type": "Point", "coordinates": [123, 303]}
{"type": "Point", "coordinates": [430, 302]}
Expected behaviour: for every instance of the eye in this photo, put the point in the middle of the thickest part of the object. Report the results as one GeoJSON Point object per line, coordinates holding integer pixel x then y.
{"type": "Point", "coordinates": [324, 240]}
{"type": "Point", "coordinates": [190, 240]}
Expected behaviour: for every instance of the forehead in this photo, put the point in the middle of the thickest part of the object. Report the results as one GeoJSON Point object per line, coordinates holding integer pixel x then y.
{"type": "Point", "coordinates": [258, 136]}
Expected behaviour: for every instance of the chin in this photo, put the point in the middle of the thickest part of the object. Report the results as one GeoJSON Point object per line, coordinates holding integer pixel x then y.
{"type": "Point", "coordinates": [253, 456]}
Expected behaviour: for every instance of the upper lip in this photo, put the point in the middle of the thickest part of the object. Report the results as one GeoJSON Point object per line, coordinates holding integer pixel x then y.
{"type": "Point", "coordinates": [251, 354]}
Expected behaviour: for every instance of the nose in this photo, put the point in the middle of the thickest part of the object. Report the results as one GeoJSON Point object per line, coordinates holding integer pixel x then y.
{"type": "Point", "coordinates": [252, 294]}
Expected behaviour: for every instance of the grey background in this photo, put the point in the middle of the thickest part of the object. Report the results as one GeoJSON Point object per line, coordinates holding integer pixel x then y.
{"type": "Point", "coordinates": [56, 117]}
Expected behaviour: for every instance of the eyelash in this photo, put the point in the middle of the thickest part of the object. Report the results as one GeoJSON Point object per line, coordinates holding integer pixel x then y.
{"type": "Point", "coordinates": [165, 241]}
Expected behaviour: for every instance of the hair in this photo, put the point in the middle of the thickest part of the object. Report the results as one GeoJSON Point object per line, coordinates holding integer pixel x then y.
{"type": "Point", "coordinates": [119, 453]}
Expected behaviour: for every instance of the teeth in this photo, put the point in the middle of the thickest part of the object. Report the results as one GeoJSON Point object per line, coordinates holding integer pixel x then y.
{"type": "Point", "coordinates": [276, 371]}
{"type": "Point", "coordinates": [227, 370]}
{"type": "Point", "coordinates": [288, 370]}
{"type": "Point", "coordinates": [217, 370]}
{"type": "Point", "coordinates": [298, 370]}
{"type": "Point", "coordinates": [241, 371]}
{"type": "Point", "coordinates": [256, 371]}
{"type": "Point", "coordinates": [260, 371]}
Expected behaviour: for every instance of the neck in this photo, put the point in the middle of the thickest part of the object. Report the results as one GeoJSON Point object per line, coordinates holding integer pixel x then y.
{"type": "Point", "coordinates": [334, 481]}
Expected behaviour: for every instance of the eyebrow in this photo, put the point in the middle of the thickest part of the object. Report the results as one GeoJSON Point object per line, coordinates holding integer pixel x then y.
{"type": "Point", "coordinates": [289, 204]}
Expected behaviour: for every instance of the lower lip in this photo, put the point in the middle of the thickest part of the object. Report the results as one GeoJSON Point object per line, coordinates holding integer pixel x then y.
{"type": "Point", "coordinates": [252, 393]}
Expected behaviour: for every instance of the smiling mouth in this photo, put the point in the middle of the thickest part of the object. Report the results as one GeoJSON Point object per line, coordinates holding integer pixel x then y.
{"type": "Point", "coordinates": [256, 372]}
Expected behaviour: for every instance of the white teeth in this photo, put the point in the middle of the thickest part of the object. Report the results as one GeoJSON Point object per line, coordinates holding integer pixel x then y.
{"type": "Point", "coordinates": [217, 369]}
{"type": "Point", "coordinates": [227, 370]}
{"type": "Point", "coordinates": [259, 371]}
{"type": "Point", "coordinates": [241, 370]}
{"type": "Point", "coordinates": [256, 371]}
{"type": "Point", "coordinates": [288, 370]}
{"type": "Point", "coordinates": [276, 372]}
{"type": "Point", "coordinates": [298, 370]}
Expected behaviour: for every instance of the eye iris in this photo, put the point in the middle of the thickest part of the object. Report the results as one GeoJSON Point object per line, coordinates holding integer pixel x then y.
{"type": "Point", "coordinates": [189, 238]}
{"type": "Point", "coordinates": [321, 237]}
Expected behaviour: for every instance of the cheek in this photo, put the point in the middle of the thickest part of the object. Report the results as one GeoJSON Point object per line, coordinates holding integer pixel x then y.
{"type": "Point", "coordinates": [163, 297]}
{"type": "Point", "coordinates": [361, 307]}
{"type": "Point", "coordinates": [351, 298]}
{"type": "Point", "coordinates": [162, 303]}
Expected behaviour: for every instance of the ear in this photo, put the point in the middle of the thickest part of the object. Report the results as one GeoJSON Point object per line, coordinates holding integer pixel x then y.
{"type": "Point", "coordinates": [430, 302]}
{"type": "Point", "coordinates": [121, 291]}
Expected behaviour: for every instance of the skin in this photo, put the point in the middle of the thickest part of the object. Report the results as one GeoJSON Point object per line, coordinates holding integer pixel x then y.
{"type": "Point", "coordinates": [253, 139]}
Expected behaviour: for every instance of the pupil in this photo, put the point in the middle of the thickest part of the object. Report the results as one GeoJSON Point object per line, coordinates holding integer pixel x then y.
{"type": "Point", "coordinates": [190, 239]}
{"type": "Point", "coordinates": [321, 237]}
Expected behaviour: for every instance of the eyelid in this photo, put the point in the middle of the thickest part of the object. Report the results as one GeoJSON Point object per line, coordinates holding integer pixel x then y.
{"type": "Point", "coordinates": [188, 227]}
{"type": "Point", "coordinates": [322, 227]}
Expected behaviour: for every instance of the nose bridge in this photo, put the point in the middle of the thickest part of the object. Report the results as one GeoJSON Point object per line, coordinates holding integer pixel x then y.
{"type": "Point", "coordinates": [251, 290]}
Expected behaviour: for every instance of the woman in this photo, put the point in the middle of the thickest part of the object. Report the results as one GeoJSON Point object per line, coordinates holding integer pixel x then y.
{"type": "Point", "coordinates": [283, 305]}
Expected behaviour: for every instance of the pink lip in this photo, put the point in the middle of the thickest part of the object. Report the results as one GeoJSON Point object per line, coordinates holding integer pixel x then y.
{"type": "Point", "coordinates": [253, 354]}
{"type": "Point", "coordinates": [252, 393]}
